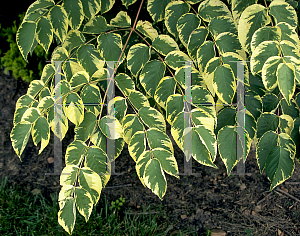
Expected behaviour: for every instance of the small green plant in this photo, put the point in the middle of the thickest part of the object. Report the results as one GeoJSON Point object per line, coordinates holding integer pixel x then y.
{"type": "Point", "coordinates": [117, 205]}
{"type": "Point", "coordinates": [12, 60]}
{"type": "Point", "coordinates": [36, 214]}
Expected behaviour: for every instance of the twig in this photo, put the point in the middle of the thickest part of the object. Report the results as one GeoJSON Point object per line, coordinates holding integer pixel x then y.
{"type": "Point", "coordinates": [264, 198]}
{"type": "Point", "coordinates": [119, 186]}
{"type": "Point", "coordinates": [292, 183]}
{"type": "Point", "coordinates": [286, 232]}
{"type": "Point", "coordinates": [143, 213]}
{"type": "Point", "coordinates": [279, 190]}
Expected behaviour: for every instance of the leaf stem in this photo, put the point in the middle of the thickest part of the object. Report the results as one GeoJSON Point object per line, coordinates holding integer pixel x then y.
{"type": "Point", "coordinates": [110, 80]}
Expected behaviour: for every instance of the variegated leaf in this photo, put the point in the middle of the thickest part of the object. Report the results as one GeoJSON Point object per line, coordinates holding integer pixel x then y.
{"type": "Point", "coordinates": [40, 132]}
{"type": "Point", "coordinates": [67, 215]}
{"type": "Point", "coordinates": [173, 11]}
{"type": "Point", "coordinates": [253, 17]}
{"type": "Point", "coordinates": [286, 80]}
{"type": "Point", "coordinates": [154, 178]}
{"type": "Point", "coordinates": [152, 118]}
{"type": "Point", "coordinates": [19, 136]}
{"type": "Point", "coordinates": [164, 44]}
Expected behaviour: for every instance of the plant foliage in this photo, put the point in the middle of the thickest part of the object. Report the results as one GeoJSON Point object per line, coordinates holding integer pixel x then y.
{"type": "Point", "coordinates": [13, 61]}
{"type": "Point", "coordinates": [152, 58]}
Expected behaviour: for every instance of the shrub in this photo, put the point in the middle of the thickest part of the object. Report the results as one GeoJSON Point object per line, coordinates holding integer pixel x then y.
{"type": "Point", "coordinates": [12, 59]}
{"type": "Point", "coordinates": [161, 52]}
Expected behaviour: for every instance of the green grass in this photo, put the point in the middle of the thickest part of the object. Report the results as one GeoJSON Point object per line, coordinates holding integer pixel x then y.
{"type": "Point", "coordinates": [22, 213]}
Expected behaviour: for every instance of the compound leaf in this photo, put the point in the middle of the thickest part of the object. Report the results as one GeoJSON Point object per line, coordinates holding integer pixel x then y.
{"type": "Point", "coordinates": [165, 88]}
{"type": "Point", "coordinates": [75, 12]}
{"type": "Point", "coordinates": [67, 215]}
{"type": "Point", "coordinates": [151, 74]}
{"type": "Point", "coordinates": [210, 9]}
{"type": "Point", "coordinates": [121, 20]}
{"type": "Point", "coordinates": [89, 58]}
{"type": "Point", "coordinates": [131, 125]}
{"type": "Point", "coordinates": [44, 33]}
{"type": "Point", "coordinates": [137, 145]}
{"type": "Point", "coordinates": [224, 83]}
{"type": "Point", "coordinates": [269, 70]}
{"type": "Point", "coordinates": [253, 17]}
{"type": "Point", "coordinates": [84, 202]}
{"type": "Point", "coordinates": [19, 136]}
{"type": "Point", "coordinates": [154, 178]}
{"type": "Point", "coordinates": [91, 7]}
{"type": "Point", "coordinates": [84, 131]}
{"type": "Point", "coordinates": [90, 181]}
{"type": "Point", "coordinates": [111, 127]}
{"type": "Point", "coordinates": [283, 12]}
{"type": "Point", "coordinates": [74, 152]}
{"type": "Point", "coordinates": [96, 25]}
{"type": "Point", "coordinates": [167, 161]}
{"type": "Point", "coordinates": [186, 24]}
{"type": "Point", "coordinates": [157, 139]}
{"type": "Point", "coordinates": [156, 9]}
{"type": "Point", "coordinates": [110, 46]}
{"type": "Point", "coordinates": [40, 132]}
{"type": "Point", "coordinates": [152, 118]}
{"type": "Point", "coordinates": [286, 80]}
{"type": "Point", "coordinates": [59, 21]}
{"type": "Point", "coordinates": [25, 37]}
{"type": "Point", "coordinates": [267, 33]}
{"type": "Point", "coordinates": [173, 11]}
{"type": "Point", "coordinates": [74, 108]}
{"type": "Point", "coordinates": [164, 44]}
{"type": "Point", "coordinates": [261, 54]}
{"type": "Point", "coordinates": [138, 55]}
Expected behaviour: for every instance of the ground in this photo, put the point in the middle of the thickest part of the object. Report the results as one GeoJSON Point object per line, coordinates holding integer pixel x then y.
{"type": "Point", "coordinates": [226, 205]}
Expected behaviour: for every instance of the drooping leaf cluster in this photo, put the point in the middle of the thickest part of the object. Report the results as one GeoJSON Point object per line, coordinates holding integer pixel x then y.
{"type": "Point", "coordinates": [190, 64]}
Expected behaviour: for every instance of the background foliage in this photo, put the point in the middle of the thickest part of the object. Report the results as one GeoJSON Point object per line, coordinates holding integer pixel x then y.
{"type": "Point", "coordinates": [11, 58]}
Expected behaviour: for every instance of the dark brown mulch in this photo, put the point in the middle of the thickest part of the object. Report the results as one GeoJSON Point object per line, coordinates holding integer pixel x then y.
{"type": "Point", "coordinates": [237, 205]}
